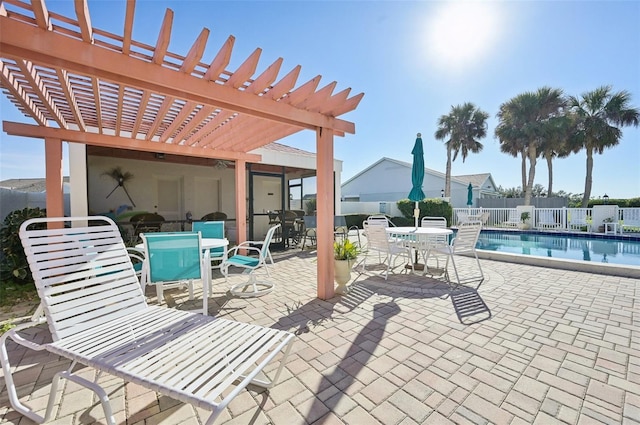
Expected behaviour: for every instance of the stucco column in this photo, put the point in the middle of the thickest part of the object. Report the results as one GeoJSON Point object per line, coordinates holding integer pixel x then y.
{"type": "Point", "coordinates": [241, 201]}
{"type": "Point", "coordinates": [53, 181]}
{"type": "Point", "coordinates": [79, 201]}
{"type": "Point", "coordinates": [324, 207]}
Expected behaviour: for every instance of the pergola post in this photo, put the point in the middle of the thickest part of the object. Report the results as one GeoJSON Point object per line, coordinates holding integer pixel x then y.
{"type": "Point", "coordinates": [241, 201]}
{"type": "Point", "coordinates": [54, 182]}
{"type": "Point", "coordinates": [324, 206]}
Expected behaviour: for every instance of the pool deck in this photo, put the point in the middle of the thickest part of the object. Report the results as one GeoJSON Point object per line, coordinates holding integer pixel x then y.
{"type": "Point", "coordinates": [533, 345]}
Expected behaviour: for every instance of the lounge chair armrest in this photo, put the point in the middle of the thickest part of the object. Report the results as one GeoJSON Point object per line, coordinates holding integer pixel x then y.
{"type": "Point", "coordinates": [19, 339]}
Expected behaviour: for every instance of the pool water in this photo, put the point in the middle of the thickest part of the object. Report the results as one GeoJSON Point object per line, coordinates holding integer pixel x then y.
{"type": "Point", "coordinates": [624, 250]}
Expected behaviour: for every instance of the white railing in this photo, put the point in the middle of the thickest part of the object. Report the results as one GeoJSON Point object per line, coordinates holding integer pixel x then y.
{"type": "Point", "coordinates": [575, 219]}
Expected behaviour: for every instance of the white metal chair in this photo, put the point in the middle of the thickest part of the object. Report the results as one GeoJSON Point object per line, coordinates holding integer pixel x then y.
{"type": "Point", "coordinates": [513, 220]}
{"type": "Point", "coordinates": [434, 241]}
{"type": "Point", "coordinates": [251, 265]}
{"type": "Point", "coordinates": [464, 242]}
{"type": "Point", "coordinates": [578, 219]}
{"type": "Point", "coordinates": [378, 240]}
{"type": "Point", "coordinates": [175, 259]}
{"type": "Point", "coordinates": [98, 317]}
{"type": "Point", "coordinates": [546, 220]}
{"type": "Point", "coordinates": [137, 259]}
{"type": "Point", "coordinates": [212, 229]}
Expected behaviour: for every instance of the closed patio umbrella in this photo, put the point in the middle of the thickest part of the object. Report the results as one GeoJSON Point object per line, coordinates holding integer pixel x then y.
{"type": "Point", "coordinates": [469, 195]}
{"type": "Point", "coordinates": [417, 176]}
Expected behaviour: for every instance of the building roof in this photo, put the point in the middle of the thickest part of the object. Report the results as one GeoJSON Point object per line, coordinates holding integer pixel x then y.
{"type": "Point", "coordinates": [476, 180]}
{"type": "Point", "coordinates": [27, 185]}
{"type": "Point", "coordinates": [409, 165]}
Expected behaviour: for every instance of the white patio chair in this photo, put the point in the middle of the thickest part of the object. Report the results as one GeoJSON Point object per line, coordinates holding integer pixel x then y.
{"type": "Point", "coordinates": [435, 241]}
{"type": "Point", "coordinates": [378, 240]}
{"type": "Point", "coordinates": [513, 219]}
{"type": "Point", "coordinates": [464, 242]}
{"type": "Point", "coordinates": [251, 265]}
{"type": "Point", "coordinates": [212, 229]}
{"type": "Point", "coordinates": [462, 217]}
{"type": "Point", "coordinates": [577, 219]}
{"type": "Point", "coordinates": [546, 220]}
{"type": "Point", "coordinates": [174, 260]}
{"type": "Point", "coordinates": [98, 317]}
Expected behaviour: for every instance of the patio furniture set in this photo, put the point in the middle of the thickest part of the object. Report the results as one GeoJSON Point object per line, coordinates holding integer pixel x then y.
{"type": "Point", "coordinates": [93, 301]}
{"type": "Point", "coordinates": [98, 316]}
{"type": "Point", "coordinates": [431, 240]}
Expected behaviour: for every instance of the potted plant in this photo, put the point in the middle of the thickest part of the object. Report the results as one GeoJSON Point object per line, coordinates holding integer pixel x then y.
{"type": "Point", "coordinates": [524, 221]}
{"type": "Point", "coordinates": [345, 253]}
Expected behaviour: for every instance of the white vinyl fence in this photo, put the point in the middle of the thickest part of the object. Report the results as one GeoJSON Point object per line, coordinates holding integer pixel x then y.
{"type": "Point", "coordinates": [618, 220]}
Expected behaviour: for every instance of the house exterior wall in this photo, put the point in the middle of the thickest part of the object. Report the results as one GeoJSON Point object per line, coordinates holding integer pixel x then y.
{"type": "Point", "coordinates": [391, 181]}
{"type": "Point", "coordinates": [386, 181]}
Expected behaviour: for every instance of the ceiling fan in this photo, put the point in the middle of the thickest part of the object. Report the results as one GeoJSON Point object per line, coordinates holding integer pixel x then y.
{"type": "Point", "coordinates": [121, 178]}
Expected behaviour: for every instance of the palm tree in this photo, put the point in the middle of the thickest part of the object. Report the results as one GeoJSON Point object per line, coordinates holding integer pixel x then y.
{"type": "Point", "coordinates": [599, 115]}
{"type": "Point", "coordinates": [525, 122]}
{"type": "Point", "coordinates": [556, 143]}
{"type": "Point", "coordinates": [462, 128]}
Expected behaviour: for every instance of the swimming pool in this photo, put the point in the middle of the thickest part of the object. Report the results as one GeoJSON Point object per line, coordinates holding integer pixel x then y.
{"type": "Point", "coordinates": [623, 250]}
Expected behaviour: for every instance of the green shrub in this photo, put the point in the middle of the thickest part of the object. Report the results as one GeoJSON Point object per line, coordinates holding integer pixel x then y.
{"type": "Point", "coordinates": [428, 207]}
{"type": "Point", "coordinates": [13, 263]}
{"type": "Point", "coordinates": [310, 206]}
{"type": "Point", "coordinates": [355, 220]}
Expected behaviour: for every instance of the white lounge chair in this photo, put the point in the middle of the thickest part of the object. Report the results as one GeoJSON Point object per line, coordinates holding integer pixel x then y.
{"type": "Point", "coordinates": [513, 220]}
{"type": "Point", "coordinates": [630, 220]}
{"type": "Point", "coordinates": [98, 317]}
{"type": "Point", "coordinates": [578, 219]}
{"type": "Point", "coordinates": [546, 220]}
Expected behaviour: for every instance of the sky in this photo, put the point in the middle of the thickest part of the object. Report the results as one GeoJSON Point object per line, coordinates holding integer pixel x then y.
{"type": "Point", "coordinates": [414, 60]}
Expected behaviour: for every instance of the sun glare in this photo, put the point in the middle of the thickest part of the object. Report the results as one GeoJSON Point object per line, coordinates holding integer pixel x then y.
{"type": "Point", "coordinates": [460, 33]}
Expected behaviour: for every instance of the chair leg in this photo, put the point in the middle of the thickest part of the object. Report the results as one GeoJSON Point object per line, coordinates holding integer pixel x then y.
{"type": "Point", "coordinates": [159, 293]}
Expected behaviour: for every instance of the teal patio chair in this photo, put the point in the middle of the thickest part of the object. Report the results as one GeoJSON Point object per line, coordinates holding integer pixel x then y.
{"type": "Point", "coordinates": [175, 259]}
{"type": "Point", "coordinates": [250, 264]}
{"type": "Point", "coordinates": [212, 229]}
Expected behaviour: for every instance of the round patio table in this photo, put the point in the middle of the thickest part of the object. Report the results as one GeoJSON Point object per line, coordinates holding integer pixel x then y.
{"type": "Point", "coordinates": [421, 239]}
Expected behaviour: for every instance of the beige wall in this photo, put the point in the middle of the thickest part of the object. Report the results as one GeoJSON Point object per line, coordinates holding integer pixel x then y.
{"type": "Point", "coordinates": [146, 185]}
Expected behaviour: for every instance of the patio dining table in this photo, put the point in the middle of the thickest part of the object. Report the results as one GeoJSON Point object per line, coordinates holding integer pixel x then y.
{"type": "Point", "coordinates": [420, 239]}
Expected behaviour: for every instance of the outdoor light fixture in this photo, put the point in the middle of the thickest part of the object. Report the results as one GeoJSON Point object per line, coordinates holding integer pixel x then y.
{"type": "Point", "coordinates": [606, 199]}
{"type": "Point", "coordinates": [442, 193]}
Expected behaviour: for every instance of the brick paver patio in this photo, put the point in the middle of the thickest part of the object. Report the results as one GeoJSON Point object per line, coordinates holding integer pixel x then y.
{"type": "Point", "coordinates": [532, 345]}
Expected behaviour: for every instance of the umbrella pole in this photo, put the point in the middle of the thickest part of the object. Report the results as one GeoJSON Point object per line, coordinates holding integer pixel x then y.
{"type": "Point", "coordinates": [416, 213]}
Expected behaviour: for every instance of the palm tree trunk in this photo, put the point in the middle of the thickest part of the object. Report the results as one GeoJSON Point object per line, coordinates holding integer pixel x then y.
{"type": "Point", "coordinates": [532, 174]}
{"type": "Point", "coordinates": [588, 180]}
{"type": "Point", "coordinates": [447, 180]}
{"type": "Point", "coordinates": [550, 170]}
{"type": "Point", "coordinates": [523, 166]}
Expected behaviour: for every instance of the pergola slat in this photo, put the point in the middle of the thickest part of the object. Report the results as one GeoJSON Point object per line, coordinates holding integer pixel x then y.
{"type": "Point", "coordinates": [84, 20]}
{"type": "Point", "coordinates": [9, 82]}
{"type": "Point", "coordinates": [128, 27]}
{"type": "Point", "coordinates": [41, 90]}
{"type": "Point", "coordinates": [67, 87]}
{"type": "Point", "coordinates": [162, 45]}
{"type": "Point", "coordinates": [41, 14]}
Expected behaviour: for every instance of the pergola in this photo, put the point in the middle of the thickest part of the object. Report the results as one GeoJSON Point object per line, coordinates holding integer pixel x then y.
{"type": "Point", "coordinates": [87, 86]}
